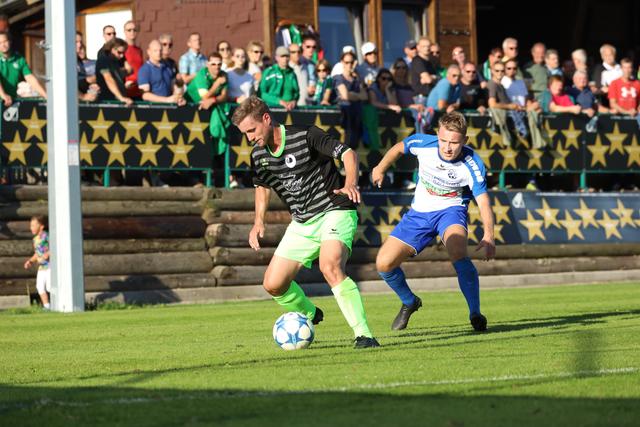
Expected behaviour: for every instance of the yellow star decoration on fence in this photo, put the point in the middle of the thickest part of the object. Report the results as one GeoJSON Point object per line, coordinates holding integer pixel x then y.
{"type": "Point", "coordinates": [535, 158]}
{"type": "Point", "coordinates": [496, 139]}
{"type": "Point", "coordinates": [474, 212]}
{"type": "Point", "coordinates": [598, 152]}
{"type": "Point", "coordinates": [288, 120]}
{"type": "Point", "coordinates": [180, 152]}
{"type": "Point", "coordinates": [572, 226]}
{"type": "Point", "coordinates": [365, 213]}
{"type": "Point", "coordinates": [500, 211]}
{"type": "Point", "coordinates": [551, 132]}
{"type": "Point", "coordinates": [571, 136]}
{"type": "Point", "coordinates": [549, 215]}
{"type": "Point", "coordinates": [243, 152]}
{"type": "Point", "coordinates": [44, 147]}
{"type": "Point", "coordinates": [100, 127]}
{"type": "Point", "coordinates": [34, 125]}
{"type": "Point", "coordinates": [403, 130]}
{"type": "Point", "coordinates": [533, 226]}
{"type": "Point", "coordinates": [484, 153]}
{"type": "Point", "coordinates": [587, 215]}
{"type": "Point", "coordinates": [471, 232]}
{"type": "Point", "coordinates": [559, 157]}
{"type": "Point", "coordinates": [132, 127]}
{"type": "Point", "coordinates": [86, 148]}
{"type": "Point", "coordinates": [360, 235]}
{"type": "Point", "coordinates": [497, 232]}
{"type": "Point", "coordinates": [624, 214]}
{"type": "Point", "coordinates": [610, 226]}
{"type": "Point", "coordinates": [17, 149]}
{"type": "Point", "coordinates": [472, 134]}
{"type": "Point", "coordinates": [318, 123]}
{"type": "Point", "coordinates": [633, 151]}
{"type": "Point", "coordinates": [509, 156]}
{"type": "Point", "coordinates": [384, 229]}
{"type": "Point", "coordinates": [196, 128]}
{"type": "Point", "coordinates": [116, 150]}
{"type": "Point", "coordinates": [394, 213]}
{"type": "Point", "coordinates": [616, 139]}
{"type": "Point", "coordinates": [165, 128]}
{"type": "Point", "coordinates": [522, 141]}
{"type": "Point", "coordinates": [149, 151]}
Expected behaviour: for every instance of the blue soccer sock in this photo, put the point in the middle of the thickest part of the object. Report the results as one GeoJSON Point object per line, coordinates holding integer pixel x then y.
{"type": "Point", "coordinates": [469, 283]}
{"type": "Point", "coordinates": [396, 281]}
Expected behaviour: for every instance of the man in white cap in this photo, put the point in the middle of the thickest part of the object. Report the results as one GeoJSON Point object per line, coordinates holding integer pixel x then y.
{"type": "Point", "coordinates": [337, 69]}
{"type": "Point", "coordinates": [368, 70]}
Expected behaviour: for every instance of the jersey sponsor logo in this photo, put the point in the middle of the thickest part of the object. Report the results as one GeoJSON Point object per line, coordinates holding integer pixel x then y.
{"type": "Point", "coordinates": [291, 184]}
{"type": "Point", "coordinates": [452, 174]}
{"type": "Point", "coordinates": [290, 160]}
{"type": "Point", "coordinates": [439, 191]}
{"type": "Point", "coordinates": [475, 168]}
{"type": "Point", "coordinates": [337, 151]}
{"type": "Point", "coordinates": [627, 92]}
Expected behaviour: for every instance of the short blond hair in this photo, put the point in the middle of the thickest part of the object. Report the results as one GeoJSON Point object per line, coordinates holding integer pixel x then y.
{"type": "Point", "coordinates": [454, 122]}
{"type": "Point", "coordinates": [253, 107]}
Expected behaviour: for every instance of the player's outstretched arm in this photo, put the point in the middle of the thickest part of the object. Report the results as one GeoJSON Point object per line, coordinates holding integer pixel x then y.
{"type": "Point", "coordinates": [262, 204]}
{"type": "Point", "coordinates": [487, 242]}
{"type": "Point", "coordinates": [351, 169]}
{"type": "Point", "coordinates": [390, 157]}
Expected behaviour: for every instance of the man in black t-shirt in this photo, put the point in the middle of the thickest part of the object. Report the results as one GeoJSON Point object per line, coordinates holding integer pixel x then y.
{"type": "Point", "coordinates": [423, 75]}
{"type": "Point", "coordinates": [298, 164]}
{"type": "Point", "coordinates": [109, 72]}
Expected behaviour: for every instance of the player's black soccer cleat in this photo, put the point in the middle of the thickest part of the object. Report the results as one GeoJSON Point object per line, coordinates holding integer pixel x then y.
{"type": "Point", "coordinates": [402, 319]}
{"type": "Point", "coordinates": [318, 317]}
{"type": "Point", "coordinates": [479, 322]}
{"type": "Point", "coordinates": [366, 342]}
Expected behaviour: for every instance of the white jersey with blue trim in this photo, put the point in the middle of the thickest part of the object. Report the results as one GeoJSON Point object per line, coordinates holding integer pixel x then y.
{"type": "Point", "coordinates": [441, 183]}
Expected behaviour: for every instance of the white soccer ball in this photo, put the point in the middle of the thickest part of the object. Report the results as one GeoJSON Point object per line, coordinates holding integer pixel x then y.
{"type": "Point", "coordinates": [293, 331]}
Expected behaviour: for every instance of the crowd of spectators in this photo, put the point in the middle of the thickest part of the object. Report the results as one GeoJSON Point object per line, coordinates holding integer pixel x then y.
{"type": "Point", "coordinates": [423, 78]}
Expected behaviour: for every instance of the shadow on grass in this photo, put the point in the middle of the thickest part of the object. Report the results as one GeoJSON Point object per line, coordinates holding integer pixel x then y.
{"type": "Point", "coordinates": [226, 407]}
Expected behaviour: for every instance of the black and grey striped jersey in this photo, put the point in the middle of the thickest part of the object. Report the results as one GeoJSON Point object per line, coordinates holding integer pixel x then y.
{"type": "Point", "coordinates": [303, 172]}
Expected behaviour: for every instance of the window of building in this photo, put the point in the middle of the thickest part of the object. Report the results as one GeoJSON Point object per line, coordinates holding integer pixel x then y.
{"type": "Point", "coordinates": [339, 26]}
{"type": "Point", "coordinates": [94, 22]}
{"type": "Point", "coordinates": [398, 25]}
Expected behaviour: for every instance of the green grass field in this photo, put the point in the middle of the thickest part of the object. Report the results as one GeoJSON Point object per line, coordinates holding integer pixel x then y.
{"type": "Point", "coordinates": [565, 356]}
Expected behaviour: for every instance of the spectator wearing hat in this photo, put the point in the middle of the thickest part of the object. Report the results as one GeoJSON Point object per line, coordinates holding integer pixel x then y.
{"type": "Point", "coordinates": [410, 51]}
{"type": "Point", "coordinates": [337, 68]}
{"type": "Point", "coordinates": [369, 69]}
{"type": "Point", "coordinates": [279, 85]}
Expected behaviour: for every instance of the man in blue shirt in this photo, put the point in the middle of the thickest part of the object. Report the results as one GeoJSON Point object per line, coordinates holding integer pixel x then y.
{"type": "Point", "coordinates": [582, 94]}
{"type": "Point", "coordinates": [155, 78]}
{"type": "Point", "coordinates": [446, 94]}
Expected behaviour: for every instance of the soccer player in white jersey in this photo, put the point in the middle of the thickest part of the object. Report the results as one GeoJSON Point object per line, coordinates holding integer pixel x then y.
{"type": "Point", "coordinates": [450, 174]}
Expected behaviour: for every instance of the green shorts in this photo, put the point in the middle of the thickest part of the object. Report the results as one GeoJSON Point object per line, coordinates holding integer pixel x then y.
{"type": "Point", "coordinates": [301, 242]}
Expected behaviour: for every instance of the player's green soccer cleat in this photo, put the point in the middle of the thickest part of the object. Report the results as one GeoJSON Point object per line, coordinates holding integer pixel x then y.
{"type": "Point", "coordinates": [479, 322]}
{"type": "Point", "coordinates": [366, 342]}
{"type": "Point", "coordinates": [402, 319]}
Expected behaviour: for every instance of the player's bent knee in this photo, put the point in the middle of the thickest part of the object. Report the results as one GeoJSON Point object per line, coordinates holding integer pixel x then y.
{"type": "Point", "coordinates": [332, 272]}
{"type": "Point", "coordinates": [273, 285]}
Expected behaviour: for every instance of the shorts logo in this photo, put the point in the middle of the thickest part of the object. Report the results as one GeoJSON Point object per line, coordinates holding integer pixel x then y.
{"type": "Point", "coordinates": [290, 160]}
{"type": "Point", "coordinates": [452, 174]}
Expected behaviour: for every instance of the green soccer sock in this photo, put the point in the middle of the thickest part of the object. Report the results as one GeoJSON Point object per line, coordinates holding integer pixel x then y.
{"type": "Point", "coordinates": [348, 297]}
{"type": "Point", "coordinates": [295, 300]}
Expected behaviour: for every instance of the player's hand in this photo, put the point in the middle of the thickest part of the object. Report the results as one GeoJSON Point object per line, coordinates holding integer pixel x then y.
{"type": "Point", "coordinates": [377, 176]}
{"type": "Point", "coordinates": [27, 264]}
{"type": "Point", "coordinates": [7, 100]}
{"type": "Point", "coordinates": [489, 247]}
{"type": "Point", "coordinates": [351, 191]}
{"type": "Point", "coordinates": [256, 232]}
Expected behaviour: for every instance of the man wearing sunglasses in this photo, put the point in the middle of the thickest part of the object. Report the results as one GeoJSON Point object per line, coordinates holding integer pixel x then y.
{"type": "Point", "coordinates": [109, 72]}
{"type": "Point", "coordinates": [446, 93]}
{"type": "Point", "coordinates": [108, 33]}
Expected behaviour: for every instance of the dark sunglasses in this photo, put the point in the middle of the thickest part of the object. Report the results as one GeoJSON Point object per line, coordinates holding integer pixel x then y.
{"type": "Point", "coordinates": [310, 46]}
{"type": "Point", "coordinates": [110, 34]}
{"type": "Point", "coordinates": [322, 70]}
{"type": "Point", "coordinates": [167, 44]}
{"type": "Point", "coordinates": [258, 51]}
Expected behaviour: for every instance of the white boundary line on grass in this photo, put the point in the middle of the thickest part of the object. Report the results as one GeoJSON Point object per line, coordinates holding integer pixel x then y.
{"type": "Point", "coordinates": [379, 386]}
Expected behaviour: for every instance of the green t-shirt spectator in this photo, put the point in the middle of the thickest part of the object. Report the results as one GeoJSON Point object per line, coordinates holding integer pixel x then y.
{"type": "Point", "coordinates": [279, 85]}
{"type": "Point", "coordinates": [12, 71]}
{"type": "Point", "coordinates": [200, 85]}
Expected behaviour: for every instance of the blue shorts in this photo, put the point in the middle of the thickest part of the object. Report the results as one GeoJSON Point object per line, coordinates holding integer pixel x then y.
{"type": "Point", "coordinates": [418, 229]}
